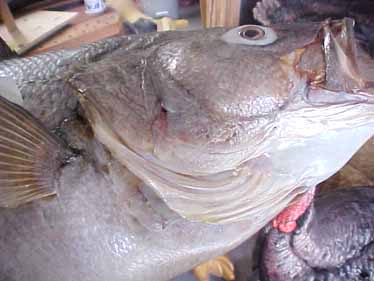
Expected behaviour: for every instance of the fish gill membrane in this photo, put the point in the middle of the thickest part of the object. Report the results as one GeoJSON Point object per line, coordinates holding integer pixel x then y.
{"type": "Point", "coordinates": [328, 116]}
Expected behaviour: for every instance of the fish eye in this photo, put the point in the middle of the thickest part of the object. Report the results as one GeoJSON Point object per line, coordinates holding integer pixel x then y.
{"type": "Point", "coordinates": [254, 35]}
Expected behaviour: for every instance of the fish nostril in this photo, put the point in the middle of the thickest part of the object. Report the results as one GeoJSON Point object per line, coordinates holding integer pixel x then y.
{"type": "Point", "coordinates": [163, 110]}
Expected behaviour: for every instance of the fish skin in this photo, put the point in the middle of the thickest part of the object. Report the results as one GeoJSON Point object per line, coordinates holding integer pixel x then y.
{"type": "Point", "coordinates": [42, 80]}
{"type": "Point", "coordinates": [39, 76]}
{"type": "Point", "coordinates": [93, 193]}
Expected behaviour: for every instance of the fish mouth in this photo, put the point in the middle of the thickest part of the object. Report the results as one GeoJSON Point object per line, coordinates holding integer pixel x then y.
{"type": "Point", "coordinates": [340, 55]}
{"type": "Point", "coordinates": [330, 64]}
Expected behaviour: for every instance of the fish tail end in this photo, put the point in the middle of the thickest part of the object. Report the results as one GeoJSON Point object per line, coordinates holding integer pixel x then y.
{"type": "Point", "coordinates": [30, 157]}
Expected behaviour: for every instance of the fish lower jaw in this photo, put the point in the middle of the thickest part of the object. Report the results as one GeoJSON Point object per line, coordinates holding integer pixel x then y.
{"type": "Point", "coordinates": [315, 158]}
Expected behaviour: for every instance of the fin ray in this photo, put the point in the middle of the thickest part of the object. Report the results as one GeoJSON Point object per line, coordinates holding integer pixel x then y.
{"type": "Point", "coordinates": [4, 147]}
{"type": "Point", "coordinates": [19, 127]}
{"type": "Point", "coordinates": [18, 136]}
{"type": "Point", "coordinates": [9, 142]}
{"type": "Point", "coordinates": [12, 156]}
{"type": "Point", "coordinates": [23, 118]}
{"type": "Point", "coordinates": [14, 121]}
{"type": "Point", "coordinates": [30, 157]}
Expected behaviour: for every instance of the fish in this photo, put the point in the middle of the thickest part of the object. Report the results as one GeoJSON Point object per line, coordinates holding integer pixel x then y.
{"type": "Point", "coordinates": [139, 157]}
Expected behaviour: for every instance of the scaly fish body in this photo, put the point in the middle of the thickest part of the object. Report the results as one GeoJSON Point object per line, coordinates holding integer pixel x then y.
{"type": "Point", "coordinates": [192, 115]}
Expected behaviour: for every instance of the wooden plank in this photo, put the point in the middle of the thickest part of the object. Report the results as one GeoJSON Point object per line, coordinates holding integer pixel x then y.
{"type": "Point", "coordinates": [35, 27]}
{"type": "Point", "coordinates": [224, 13]}
{"type": "Point", "coordinates": [83, 29]}
{"type": "Point", "coordinates": [7, 17]}
{"type": "Point", "coordinates": [203, 4]}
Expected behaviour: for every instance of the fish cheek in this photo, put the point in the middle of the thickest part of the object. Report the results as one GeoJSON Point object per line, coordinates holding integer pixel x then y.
{"type": "Point", "coordinates": [121, 95]}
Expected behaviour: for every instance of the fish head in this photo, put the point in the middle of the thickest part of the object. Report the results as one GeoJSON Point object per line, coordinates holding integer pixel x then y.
{"type": "Point", "coordinates": [221, 91]}
{"type": "Point", "coordinates": [193, 113]}
{"type": "Point", "coordinates": [203, 102]}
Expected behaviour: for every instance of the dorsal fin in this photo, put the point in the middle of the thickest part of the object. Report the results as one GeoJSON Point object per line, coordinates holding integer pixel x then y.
{"type": "Point", "coordinates": [29, 157]}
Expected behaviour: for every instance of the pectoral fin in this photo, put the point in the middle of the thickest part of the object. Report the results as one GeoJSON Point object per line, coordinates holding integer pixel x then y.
{"type": "Point", "coordinates": [29, 157]}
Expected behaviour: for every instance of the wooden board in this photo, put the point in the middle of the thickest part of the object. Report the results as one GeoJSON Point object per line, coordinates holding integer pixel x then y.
{"type": "Point", "coordinates": [223, 13]}
{"type": "Point", "coordinates": [85, 28]}
{"type": "Point", "coordinates": [34, 28]}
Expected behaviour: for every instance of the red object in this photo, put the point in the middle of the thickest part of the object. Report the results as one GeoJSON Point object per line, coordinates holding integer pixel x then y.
{"type": "Point", "coordinates": [286, 220]}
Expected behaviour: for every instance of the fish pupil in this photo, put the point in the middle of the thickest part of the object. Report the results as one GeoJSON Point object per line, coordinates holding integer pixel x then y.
{"type": "Point", "coordinates": [251, 33]}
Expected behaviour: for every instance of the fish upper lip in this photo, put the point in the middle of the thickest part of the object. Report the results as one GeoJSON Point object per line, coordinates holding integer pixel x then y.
{"type": "Point", "coordinates": [338, 38]}
{"type": "Point", "coordinates": [339, 71]}
{"type": "Point", "coordinates": [328, 65]}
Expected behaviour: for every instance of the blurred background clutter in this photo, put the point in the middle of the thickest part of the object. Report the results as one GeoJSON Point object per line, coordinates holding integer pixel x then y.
{"type": "Point", "coordinates": [36, 26]}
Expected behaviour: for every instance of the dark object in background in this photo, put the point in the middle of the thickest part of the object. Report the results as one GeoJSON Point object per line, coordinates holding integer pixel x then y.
{"type": "Point", "coordinates": [281, 11]}
{"type": "Point", "coordinates": [187, 3]}
{"type": "Point", "coordinates": [334, 241]}
{"type": "Point", "coordinates": [285, 11]}
{"type": "Point", "coordinates": [246, 15]}
{"type": "Point", "coordinates": [16, 5]}
{"type": "Point", "coordinates": [5, 51]}
{"type": "Point", "coordinates": [57, 5]}
{"type": "Point", "coordinates": [140, 26]}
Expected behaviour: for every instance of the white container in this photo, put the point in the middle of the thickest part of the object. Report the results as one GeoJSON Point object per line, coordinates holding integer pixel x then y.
{"type": "Point", "coordinates": [94, 6]}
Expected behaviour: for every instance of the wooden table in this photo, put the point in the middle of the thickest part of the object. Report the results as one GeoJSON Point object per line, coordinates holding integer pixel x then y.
{"type": "Point", "coordinates": [84, 28]}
